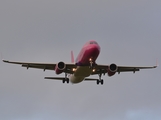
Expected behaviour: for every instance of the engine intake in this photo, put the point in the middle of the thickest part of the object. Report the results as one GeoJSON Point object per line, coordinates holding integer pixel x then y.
{"type": "Point", "coordinates": [112, 69]}
{"type": "Point", "coordinates": [60, 67]}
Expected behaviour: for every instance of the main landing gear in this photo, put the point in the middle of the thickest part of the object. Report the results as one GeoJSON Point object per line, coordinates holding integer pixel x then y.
{"type": "Point", "coordinates": [65, 79]}
{"type": "Point", "coordinates": [100, 80]}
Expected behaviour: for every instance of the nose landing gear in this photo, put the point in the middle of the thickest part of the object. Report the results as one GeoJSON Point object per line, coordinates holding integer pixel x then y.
{"type": "Point", "coordinates": [91, 63]}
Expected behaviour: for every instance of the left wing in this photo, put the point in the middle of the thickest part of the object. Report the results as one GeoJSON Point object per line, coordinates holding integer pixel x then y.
{"type": "Point", "coordinates": [102, 69]}
{"type": "Point", "coordinates": [44, 66]}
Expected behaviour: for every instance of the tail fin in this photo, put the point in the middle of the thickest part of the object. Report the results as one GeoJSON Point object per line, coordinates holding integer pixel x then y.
{"type": "Point", "coordinates": [72, 57]}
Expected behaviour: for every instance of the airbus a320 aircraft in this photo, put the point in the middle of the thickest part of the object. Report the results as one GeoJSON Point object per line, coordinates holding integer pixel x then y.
{"type": "Point", "coordinates": [84, 66]}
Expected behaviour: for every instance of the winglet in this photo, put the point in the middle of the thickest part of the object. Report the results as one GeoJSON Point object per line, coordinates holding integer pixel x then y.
{"type": "Point", "coordinates": [156, 63]}
{"type": "Point", "coordinates": [2, 57]}
{"type": "Point", "coordinates": [6, 61]}
{"type": "Point", "coordinates": [72, 57]}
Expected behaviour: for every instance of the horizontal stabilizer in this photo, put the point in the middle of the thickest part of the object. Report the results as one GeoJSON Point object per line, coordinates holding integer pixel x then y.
{"type": "Point", "coordinates": [55, 78]}
{"type": "Point", "coordinates": [90, 79]}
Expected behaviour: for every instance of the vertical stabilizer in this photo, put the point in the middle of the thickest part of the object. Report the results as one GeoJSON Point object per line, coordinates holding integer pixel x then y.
{"type": "Point", "coordinates": [72, 57]}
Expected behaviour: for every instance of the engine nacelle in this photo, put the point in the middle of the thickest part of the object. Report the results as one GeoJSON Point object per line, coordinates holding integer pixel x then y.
{"type": "Point", "coordinates": [112, 69]}
{"type": "Point", "coordinates": [60, 67]}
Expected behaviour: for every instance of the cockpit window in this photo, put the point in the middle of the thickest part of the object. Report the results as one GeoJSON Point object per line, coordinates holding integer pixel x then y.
{"type": "Point", "coordinates": [92, 42]}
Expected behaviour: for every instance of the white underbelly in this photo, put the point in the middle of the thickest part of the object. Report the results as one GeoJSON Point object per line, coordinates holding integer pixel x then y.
{"type": "Point", "coordinates": [80, 73]}
{"type": "Point", "coordinates": [83, 71]}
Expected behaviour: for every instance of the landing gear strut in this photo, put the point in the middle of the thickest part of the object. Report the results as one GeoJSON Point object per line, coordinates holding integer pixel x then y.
{"type": "Point", "coordinates": [91, 63]}
{"type": "Point", "coordinates": [100, 80]}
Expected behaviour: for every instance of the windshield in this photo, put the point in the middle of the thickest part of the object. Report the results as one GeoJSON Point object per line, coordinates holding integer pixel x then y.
{"type": "Point", "coordinates": [92, 42]}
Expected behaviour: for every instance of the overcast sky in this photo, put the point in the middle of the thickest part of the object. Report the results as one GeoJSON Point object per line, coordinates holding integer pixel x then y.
{"type": "Point", "coordinates": [129, 33]}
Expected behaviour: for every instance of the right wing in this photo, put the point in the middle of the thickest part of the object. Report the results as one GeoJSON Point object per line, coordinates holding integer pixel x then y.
{"type": "Point", "coordinates": [44, 66]}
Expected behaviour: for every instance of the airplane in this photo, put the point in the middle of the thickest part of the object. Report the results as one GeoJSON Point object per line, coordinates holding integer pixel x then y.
{"type": "Point", "coordinates": [84, 66]}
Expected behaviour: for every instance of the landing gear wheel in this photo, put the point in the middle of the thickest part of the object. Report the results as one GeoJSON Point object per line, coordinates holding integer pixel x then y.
{"type": "Point", "coordinates": [66, 80]}
{"type": "Point", "coordinates": [98, 82]}
{"type": "Point", "coordinates": [102, 82]}
{"type": "Point", "coordinates": [63, 80]}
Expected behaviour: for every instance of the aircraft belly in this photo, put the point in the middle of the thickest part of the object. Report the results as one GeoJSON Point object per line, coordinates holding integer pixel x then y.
{"type": "Point", "coordinates": [74, 79]}
{"type": "Point", "coordinates": [80, 73]}
{"type": "Point", "coordinates": [84, 71]}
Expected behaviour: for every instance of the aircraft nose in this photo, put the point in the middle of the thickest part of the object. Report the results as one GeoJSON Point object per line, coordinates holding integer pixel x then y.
{"type": "Point", "coordinates": [96, 48]}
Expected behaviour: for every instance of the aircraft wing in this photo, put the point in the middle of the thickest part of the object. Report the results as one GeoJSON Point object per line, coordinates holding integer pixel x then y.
{"type": "Point", "coordinates": [44, 66]}
{"type": "Point", "coordinates": [103, 69]}
{"type": "Point", "coordinates": [99, 69]}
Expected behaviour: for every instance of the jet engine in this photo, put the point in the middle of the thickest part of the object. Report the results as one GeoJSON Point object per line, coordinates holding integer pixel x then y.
{"type": "Point", "coordinates": [60, 67]}
{"type": "Point", "coordinates": [112, 69]}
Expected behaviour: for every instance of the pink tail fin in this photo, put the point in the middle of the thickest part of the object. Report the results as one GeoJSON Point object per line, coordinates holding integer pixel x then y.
{"type": "Point", "coordinates": [72, 57]}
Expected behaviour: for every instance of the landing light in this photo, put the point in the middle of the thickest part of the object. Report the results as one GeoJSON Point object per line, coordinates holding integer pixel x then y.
{"type": "Point", "coordinates": [90, 59]}
{"type": "Point", "coordinates": [74, 69]}
{"type": "Point", "coordinates": [94, 70]}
